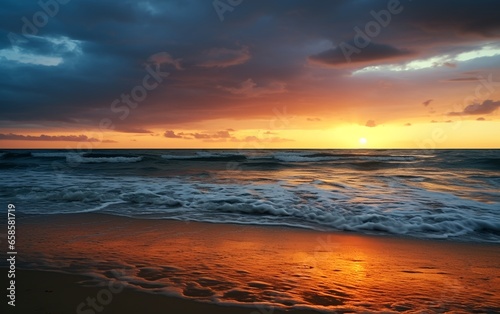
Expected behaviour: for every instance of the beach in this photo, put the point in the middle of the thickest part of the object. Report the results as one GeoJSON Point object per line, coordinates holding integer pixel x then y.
{"type": "Point", "coordinates": [250, 157]}
{"type": "Point", "coordinates": [157, 266]}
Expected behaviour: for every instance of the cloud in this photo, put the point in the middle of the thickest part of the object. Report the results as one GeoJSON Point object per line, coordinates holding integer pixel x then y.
{"type": "Point", "coordinates": [225, 136]}
{"type": "Point", "coordinates": [447, 121]}
{"type": "Point", "coordinates": [171, 134]}
{"type": "Point", "coordinates": [222, 134]}
{"type": "Point", "coordinates": [314, 119]}
{"type": "Point", "coordinates": [219, 135]}
{"type": "Point", "coordinates": [255, 139]}
{"type": "Point", "coordinates": [427, 102]}
{"type": "Point", "coordinates": [486, 107]}
{"type": "Point", "coordinates": [436, 60]}
{"type": "Point", "coordinates": [223, 57]}
{"type": "Point", "coordinates": [125, 129]}
{"type": "Point", "coordinates": [481, 119]}
{"type": "Point", "coordinates": [370, 124]}
{"type": "Point", "coordinates": [165, 58]}
{"type": "Point", "coordinates": [250, 88]}
{"type": "Point", "coordinates": [374, 53]}
{"type": "Point", "coordinates": [52, 138]}
{"type": "Point", "coordinates": [408, 124]}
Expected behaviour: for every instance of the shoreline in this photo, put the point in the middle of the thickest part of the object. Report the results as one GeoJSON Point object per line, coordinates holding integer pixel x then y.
{"type": "Point", "coordinates": [238, 265]}
{"type": "Point", "coordinates": [276, 226]}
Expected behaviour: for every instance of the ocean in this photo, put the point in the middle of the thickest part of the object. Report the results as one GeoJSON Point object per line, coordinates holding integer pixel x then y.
{"type": "Point", "coordinates": [439, 194]}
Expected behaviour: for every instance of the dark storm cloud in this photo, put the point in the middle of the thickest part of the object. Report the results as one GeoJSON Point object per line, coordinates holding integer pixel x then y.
{"type": "Point", "coordinates": [461, 17]}
{"type": "Point", "coordinates": [99, 50]}
{"type": "Point", "coordinates": [348, 53]}
{"type": "Point", "coordinates": [486, 107]}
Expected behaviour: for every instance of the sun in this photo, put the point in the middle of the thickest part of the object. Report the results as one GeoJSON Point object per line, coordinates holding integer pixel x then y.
{"type": "Point", "coordinates": [363, 141]}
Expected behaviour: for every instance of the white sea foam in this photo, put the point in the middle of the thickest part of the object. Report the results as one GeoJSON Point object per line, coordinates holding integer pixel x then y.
{"type": "Point", "coordinates": [412, 211]}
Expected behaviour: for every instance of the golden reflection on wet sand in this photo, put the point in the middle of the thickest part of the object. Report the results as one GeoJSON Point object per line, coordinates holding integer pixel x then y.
{"type": "Point", "coordinates": [273, 265]}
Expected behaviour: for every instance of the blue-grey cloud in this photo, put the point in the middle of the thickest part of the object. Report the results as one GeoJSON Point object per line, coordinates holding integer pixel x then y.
{"type": "Point", "coordinates": [348, 52]}
{"type": "Point", "coordinates": [486, 107]}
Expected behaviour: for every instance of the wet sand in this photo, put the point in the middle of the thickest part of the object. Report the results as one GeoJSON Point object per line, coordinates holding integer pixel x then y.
{"type": "Point", "coordinates": [178, 267]}
{"type": "Point", "coordinates": [42, 292]}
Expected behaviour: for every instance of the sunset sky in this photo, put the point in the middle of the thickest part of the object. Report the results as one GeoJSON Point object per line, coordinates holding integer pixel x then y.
{"type": "Point", "coordinates": [250, 74]}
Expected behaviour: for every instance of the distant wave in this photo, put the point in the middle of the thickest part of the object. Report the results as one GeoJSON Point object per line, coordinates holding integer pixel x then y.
{"type": "Point", "coordinates": [14, 155]}
{"type": "Point", "coordinates": [301, 157]}
{"type": "Point", "coordinates": [488, 163]}
{"type": "Point", "coordinates": [205, 156]}
{"type": "Point", "coordinates": [55, 154]}
{"type": "Point", "coordinates": [388, 158]}
{"type": "Point", "coordinates": [10, 165]}
{"type": "Point", "coordinates": [365, 160]}
{"type": "Point", "coordinates": [265, 164]}
{"type": "Point", "coordinates": [316, 157]}
{"type": "Point", "coordinates": [89, 160]}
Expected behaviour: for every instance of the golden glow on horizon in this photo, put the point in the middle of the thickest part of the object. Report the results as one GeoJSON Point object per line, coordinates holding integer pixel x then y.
{"type": "Point", "coordinates": [424, 135]}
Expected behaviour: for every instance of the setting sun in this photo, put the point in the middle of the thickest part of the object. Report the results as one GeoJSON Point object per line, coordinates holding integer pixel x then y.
{"type": "Point", "coordinates": [363, 141]}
